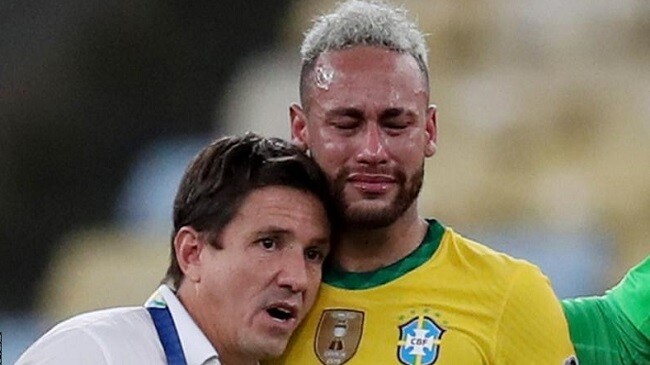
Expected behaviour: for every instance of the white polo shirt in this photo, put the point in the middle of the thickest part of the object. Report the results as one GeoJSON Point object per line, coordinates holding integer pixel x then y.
{"type": "Point", "coordinates": [121, 336]}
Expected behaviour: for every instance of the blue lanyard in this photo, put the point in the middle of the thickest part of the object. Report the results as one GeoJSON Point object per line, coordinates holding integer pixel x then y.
{"type": "Point", "coordinates": [166, 329]}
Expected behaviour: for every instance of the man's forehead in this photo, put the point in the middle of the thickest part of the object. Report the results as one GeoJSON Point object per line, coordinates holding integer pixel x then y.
{"type": "Point", "coordinates": [283, 206]}
{"type": "Point", "coordinates": [381, 76]}
{"type": "Point", "coordinates": [360, 58]}
{"type": "Point", "coordinates": [362, 66]}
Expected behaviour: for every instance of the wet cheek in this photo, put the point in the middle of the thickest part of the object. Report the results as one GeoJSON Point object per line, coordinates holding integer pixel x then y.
{"type": "Point", "coordinates": [334, 148]}
{"type": "Point", "coordinates": [332, 152]}
{"type": "Point", "coordinates": [402, 147]}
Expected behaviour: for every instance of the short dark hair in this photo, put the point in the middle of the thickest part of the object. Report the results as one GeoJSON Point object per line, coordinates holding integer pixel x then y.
{"type": "Point", "coordinates": [223, 174]}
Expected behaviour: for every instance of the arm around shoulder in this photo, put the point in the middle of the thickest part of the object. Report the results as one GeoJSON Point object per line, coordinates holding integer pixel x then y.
{"type": "Point", "coordinates": [632, 296]}
{"type": "Point", "coordinates": [613, 328]}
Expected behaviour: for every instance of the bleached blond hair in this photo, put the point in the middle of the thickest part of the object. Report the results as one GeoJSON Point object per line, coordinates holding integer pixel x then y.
{"type": "Point", "coordinates": [362, 23]}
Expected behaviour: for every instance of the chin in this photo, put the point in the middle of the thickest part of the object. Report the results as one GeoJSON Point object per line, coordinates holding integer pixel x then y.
{"type": "Point", "coordinates": [366, 219]}
{"type": "Point", "coordinates": [272, 348]}
{"type": "Point", "coordinates": [368, 207]}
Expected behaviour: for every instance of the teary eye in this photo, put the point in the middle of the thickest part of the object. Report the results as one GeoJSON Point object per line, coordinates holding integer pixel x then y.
{"type": "Point", "coordinates": [395, 124]}
{"type": "Point", "coordinates": [346, 123]}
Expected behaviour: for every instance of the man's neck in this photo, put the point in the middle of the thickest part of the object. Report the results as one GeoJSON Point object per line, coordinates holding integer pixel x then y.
{"type": "Point", "coordinates": [363, 250]}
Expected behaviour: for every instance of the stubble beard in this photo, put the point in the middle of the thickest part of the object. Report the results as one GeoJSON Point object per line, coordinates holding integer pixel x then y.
{"type": "Point", "coordinates": [358, 218]}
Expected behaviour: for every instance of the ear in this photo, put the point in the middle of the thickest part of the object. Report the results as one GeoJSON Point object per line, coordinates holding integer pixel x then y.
{"type": "Point", "coordinates": [431, 131]}
{"type": "Point", "coordinates": [188, 245]}
{"type": "Point", "coordinates": [299, 133]}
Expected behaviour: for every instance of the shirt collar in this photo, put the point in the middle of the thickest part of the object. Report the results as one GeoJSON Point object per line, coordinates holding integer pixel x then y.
{"type": "Point", "coordinates": [196, 347]}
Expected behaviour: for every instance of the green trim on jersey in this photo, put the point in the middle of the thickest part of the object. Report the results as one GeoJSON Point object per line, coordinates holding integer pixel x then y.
{"type": "Point", "coordinates": [370, 279]}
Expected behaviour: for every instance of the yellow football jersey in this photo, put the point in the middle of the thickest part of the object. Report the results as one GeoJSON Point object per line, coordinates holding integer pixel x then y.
{"type": "Point", "coordinates": [451, 301]}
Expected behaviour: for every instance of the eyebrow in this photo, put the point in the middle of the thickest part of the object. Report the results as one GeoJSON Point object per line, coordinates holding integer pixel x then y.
{"type": "Point", "coordinates": [393, 112]}
{"type": "Point", "coordinates": [355, 113]}
{"type": "Point", "coordinates": [322, 241]}
{"type": "Point", "coordinates": [277, 231]}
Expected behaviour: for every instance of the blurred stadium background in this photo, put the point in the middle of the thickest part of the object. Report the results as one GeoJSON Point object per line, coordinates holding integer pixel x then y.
{"type": "Point", "coordinates": [544, 118]}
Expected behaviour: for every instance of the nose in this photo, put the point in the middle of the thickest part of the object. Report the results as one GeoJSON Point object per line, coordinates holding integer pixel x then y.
{"type": "Point", "coordinates": [372, 151]}
{"type": "Point", "coordinates": [294, 274]}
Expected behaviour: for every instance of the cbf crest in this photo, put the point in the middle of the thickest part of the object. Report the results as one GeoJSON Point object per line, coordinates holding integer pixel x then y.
{"type": "Point", "coordinates": [338, 335]}
{"type": "Point", "coordinates": [419, 341]}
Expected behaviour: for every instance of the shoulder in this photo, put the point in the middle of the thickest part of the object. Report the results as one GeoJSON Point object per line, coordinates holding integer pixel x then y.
{"type": "Point", "coordinates": [106, 323]}
{"type": "Point", "coordinates": [93, 337]}
{"type": "Point", "coordinates": [487, 261]}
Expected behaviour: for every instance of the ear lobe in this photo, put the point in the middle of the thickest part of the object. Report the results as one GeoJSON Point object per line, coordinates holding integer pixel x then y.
{"type": "Point", "coordinates": [188, 245]}
{"type": "Point", "coordinates": [299, 133]}
{"type": "Point", "coordinates": [431, 131]}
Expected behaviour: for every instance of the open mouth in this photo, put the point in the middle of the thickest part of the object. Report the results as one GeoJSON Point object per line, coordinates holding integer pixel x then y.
{"type": "Point", "coordinates": [282, 312]}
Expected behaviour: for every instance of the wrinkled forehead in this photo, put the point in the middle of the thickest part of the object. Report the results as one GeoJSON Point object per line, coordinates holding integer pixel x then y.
{"type": "Point", "coordinates": [290, 210]}
{"type": "Point", "coordinates": [370, 73]}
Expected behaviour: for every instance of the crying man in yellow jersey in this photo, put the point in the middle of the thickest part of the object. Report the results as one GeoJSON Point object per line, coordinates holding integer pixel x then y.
{"type": "Point", "coordinates": [401, 289]}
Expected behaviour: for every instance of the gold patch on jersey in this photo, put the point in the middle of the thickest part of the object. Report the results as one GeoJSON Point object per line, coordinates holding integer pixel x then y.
{"type": "Point", "coordinates": [338, 335]}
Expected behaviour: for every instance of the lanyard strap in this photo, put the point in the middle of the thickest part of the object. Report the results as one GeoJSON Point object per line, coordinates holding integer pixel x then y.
{"type": "Point", "coordinates": [166, 329]}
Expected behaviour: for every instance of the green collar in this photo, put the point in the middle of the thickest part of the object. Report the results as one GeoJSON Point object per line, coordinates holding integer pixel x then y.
{"type": "Point", "coordinates": [339, 278]}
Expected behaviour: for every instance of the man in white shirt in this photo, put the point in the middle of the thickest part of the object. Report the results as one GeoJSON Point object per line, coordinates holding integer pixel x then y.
{"type": "Point", "coordinates": [251, 230]}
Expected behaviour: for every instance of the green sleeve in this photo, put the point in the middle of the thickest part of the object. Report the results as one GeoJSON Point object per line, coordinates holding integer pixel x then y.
{"type": "Point", "coordinates": [614, 328]}
{"type": "Point", "coordinates": [632, 295]}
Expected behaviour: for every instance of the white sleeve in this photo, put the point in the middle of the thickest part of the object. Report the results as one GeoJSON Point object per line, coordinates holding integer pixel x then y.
{"type": "Point", "coordinates": [74, 346]}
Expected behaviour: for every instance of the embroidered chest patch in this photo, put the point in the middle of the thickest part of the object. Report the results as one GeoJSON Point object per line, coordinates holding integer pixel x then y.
{"type": "Point", "coordinates": [419, 341]}
{"type": "Point", "coordinates": [338, 335]}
